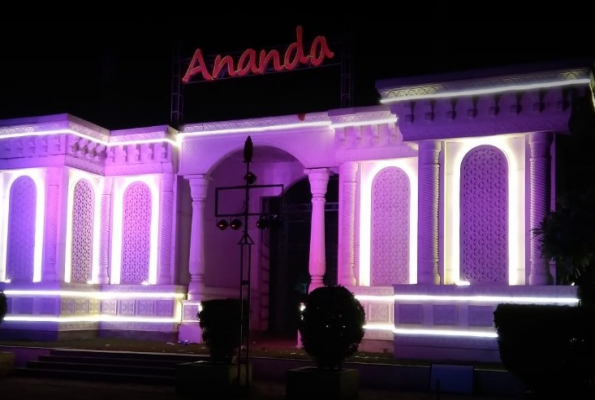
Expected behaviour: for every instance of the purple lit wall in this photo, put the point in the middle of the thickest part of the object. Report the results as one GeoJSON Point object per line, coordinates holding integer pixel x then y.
{"type": "Point", "coordinates": [484, 216]}
{"type": "Point", "coordinates": [439, 186]}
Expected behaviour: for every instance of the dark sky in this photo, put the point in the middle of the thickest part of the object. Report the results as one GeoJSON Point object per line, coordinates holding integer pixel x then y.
{"type": "Point", "coordinates": [61, 67]}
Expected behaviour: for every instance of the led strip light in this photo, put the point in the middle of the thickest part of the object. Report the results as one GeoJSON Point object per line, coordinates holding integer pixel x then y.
{"type": "Point", "coordinates": [474, 298]}
{"type": "Point", "coordinates": [498, 89]}
{"type": "Point", "coordinates": [90, 318]}
{"type": "Point", "coordinates": [95, 295]}
{"type": "Point", "coordinates": [107, 143]}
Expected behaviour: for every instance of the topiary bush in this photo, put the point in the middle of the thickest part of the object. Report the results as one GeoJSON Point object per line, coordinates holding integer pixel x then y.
{"type": "Point", "coordinates": [219, 320]}
{"type": "Point", "coordinates": [332, 326]}
{"type": "Point", "coordinates": [3, 306]}
{"type": "Point", "coordinates": [550, 348]}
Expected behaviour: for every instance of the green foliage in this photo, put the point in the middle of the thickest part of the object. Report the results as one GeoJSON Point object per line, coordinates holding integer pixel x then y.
{"type": "Point", "coordinates": [219, 320]}
{"type": "Point", "coordinates": [332, 326]}
{"type": "Point", "coordinates": [550, 348]}
{"type": "Point", "coordinates": [3, 306]}
{"type": "Point", "coordinates": [567, 237]}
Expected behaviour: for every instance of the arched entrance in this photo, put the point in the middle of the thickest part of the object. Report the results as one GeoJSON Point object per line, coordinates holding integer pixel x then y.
{"type": "Point", "coordinates": [289, 245]}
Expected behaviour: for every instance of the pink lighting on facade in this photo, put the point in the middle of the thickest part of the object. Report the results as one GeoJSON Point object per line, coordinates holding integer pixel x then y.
{"type": "Point", "coordinates": [514, 150]}
{"type": "Point", "coordinates": [109, 142]}
{"type": "Point", "coordinates": [365, 123]}
{"type": "Point", "coordinates": [94, 295]}
{"type": "Point", "coordinates": [435, 202]}
{"type": "Point", "coordinates": [74, 177]}
{"type": "Point", "coordinates": [120, 186]}
{"type": "Point", "coordinates": [255, 129]}
{"type": "Point", "coordinates": [7, 178]}
{"type": "Point", "coordinates": [369, 171]}
{"type": "Point", "coordinates": [92, 318]}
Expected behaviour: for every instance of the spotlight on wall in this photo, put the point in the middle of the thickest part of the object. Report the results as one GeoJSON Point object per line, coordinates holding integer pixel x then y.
{"type": "Point", "coordinates": [262, 223]}
{"type": "Point", "coordinates": [222, 224]}
{"type": "Point", "coordinates": [250, 178]}
{"type": "Point", "coordinates": [235, 224]}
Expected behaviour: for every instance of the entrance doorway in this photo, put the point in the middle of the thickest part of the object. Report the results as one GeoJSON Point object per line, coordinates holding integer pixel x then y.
{"type": "Point", "coordinates": [289, 244]}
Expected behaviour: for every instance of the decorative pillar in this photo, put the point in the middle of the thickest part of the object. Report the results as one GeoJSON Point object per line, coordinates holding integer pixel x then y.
{"type": "Point", "coordinates": [540, 192]}
{"type": "Point", "coordinates": [53, 181]}
{"type": "Point", "coordinates": [317, 262]}
{"type": "Point", "coordinates": [347, 216]}
{"type": "Point", "coordinates": [198, 190]}
{"type": "Point", "coordinates": [165, 229]}
{"type": "Point", "coordinates": [428, 205]}
{"type": "Point", "coordinates": [105, 232]}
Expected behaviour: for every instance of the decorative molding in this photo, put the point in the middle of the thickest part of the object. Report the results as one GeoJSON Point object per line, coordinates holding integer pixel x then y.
{"type": "Point", "coordinates": [257, 123]}
{"type": "Point", "coordinates": [483, 128]}
{"type": "Point", "coordinates": [378, 113]}
{"type": "Point", "coordinates": [485, 83]}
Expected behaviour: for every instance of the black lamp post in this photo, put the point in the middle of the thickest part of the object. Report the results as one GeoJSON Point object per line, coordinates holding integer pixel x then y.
{"type": "Point", "coordinates": [241, 220]}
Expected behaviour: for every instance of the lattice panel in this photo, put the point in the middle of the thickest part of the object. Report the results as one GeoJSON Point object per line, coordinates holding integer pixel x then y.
{"type": "Point", "coordinates": [484, 216]}
{"type": "Point", "coordinates": [136, 236]}
{"type": "Point", "coordinates": [82, 232]}
{"type": "Point", "coordinates": [390, 227]}
{"type": "Point", "coordinates": [21, 230]}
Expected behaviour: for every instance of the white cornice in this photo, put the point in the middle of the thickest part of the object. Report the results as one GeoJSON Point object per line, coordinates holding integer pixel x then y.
{"type": "Point", "coordinates": [399, 90]}
{"type": "Point", "coordinates": [282, 123]}
{"type": "Point", "coordinates": [68, 124]}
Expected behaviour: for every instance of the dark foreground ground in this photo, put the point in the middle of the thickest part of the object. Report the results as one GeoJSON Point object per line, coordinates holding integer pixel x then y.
{"type": "Point", "coordinates": [16, 388]}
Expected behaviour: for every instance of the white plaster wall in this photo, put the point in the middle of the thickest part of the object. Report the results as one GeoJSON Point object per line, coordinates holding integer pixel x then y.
{"type": "Point", "coordinates": [312, 147]}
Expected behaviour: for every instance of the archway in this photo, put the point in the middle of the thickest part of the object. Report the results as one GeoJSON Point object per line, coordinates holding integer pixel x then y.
{"type": "Point", "coordinates": [289, 245]}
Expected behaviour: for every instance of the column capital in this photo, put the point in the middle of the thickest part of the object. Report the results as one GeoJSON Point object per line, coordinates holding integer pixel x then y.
{"type": "Point", "coordinates": [429, 151]}
{"type": "Point", "coordinates": [545, 137]}
{"type": "Point", "coordinates": [348, 171]}
{"type": "Point", "coordinates": [318, 178]}
{"type": "Point", "coordinates": [318, 172]}
{"type": "Point", "coordinates": [199, 185]}
{"type": "Point", "coordinates": [430, 145]}
{"type": "Point", "coordinates": [167, 181]}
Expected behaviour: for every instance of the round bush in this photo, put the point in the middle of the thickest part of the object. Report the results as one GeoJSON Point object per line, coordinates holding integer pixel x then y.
{"type": "Point", "coordinates": [332, 326]}
{"type": "Point", "coordinates": [219, 320]}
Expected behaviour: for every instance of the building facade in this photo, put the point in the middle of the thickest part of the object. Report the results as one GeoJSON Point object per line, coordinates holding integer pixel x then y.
{"type": "Point", "coordinates": [114, 232]}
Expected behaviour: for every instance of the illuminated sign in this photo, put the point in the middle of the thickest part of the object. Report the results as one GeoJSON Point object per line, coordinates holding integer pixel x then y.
{"type": "Point", "coordinates": [251, 62]}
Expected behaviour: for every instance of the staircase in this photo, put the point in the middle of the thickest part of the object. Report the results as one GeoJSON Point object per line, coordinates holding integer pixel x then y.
{"type": "Point", "coordinates": [121, 367]}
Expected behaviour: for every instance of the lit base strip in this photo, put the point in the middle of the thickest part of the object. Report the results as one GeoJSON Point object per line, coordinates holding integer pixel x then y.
{"type": "Point", "coordinates": [95, 295]}
{"type": "Point", "coordinates": [91, 318]}
{"type": "Point", "coordinates": [431, 332]}
{"type": "Point", "coordinates": [477, 298]}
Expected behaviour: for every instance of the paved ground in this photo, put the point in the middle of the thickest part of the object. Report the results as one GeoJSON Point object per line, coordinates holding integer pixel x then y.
{"type": "Point", "coordinates": [16, 388]}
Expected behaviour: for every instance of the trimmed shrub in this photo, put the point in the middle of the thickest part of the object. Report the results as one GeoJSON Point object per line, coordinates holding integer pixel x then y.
{"type": "Point", "coordinates": [550, 348]}
{"type": "Point", "coordinates": [332, 326]}
{"type": "Point", "coordinates": [219, 320]}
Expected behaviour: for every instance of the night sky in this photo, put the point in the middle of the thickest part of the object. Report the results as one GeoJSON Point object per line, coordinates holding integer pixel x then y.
{"type": "Point", "coordinates": [117, 74]}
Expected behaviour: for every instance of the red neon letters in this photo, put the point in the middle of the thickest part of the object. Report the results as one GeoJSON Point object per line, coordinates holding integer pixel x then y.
{"type": "Point", "coordinates": [249, 62]}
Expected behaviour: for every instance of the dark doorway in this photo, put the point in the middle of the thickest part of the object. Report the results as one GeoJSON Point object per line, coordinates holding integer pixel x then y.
{"type": "Point", "coordinates": [289, 253]}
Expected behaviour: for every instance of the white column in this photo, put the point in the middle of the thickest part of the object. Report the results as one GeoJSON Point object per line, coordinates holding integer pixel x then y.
{"type": "Point", "coordinates": [347, 216]}
{"type": "Point", "coordinates": [105, 232]}
{"type": "Point", "coordinates": [317, 262]}
{"type": "Point", "coordinates": [198, 190]}
{"type": "Point", "coordinates": [540, 192]}
{"type": "Point", "coordinates": [428, 204]}
{"type": "Point", "coordinates": [165, 229]}
{"type": "Point", "coordinates": [53, 180]}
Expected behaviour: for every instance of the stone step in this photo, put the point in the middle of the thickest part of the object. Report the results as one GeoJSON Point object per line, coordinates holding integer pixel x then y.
{"type": "Point", "coordinates": [112, 368]}
{"type": "Point", "coordinates": [94, 376]}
